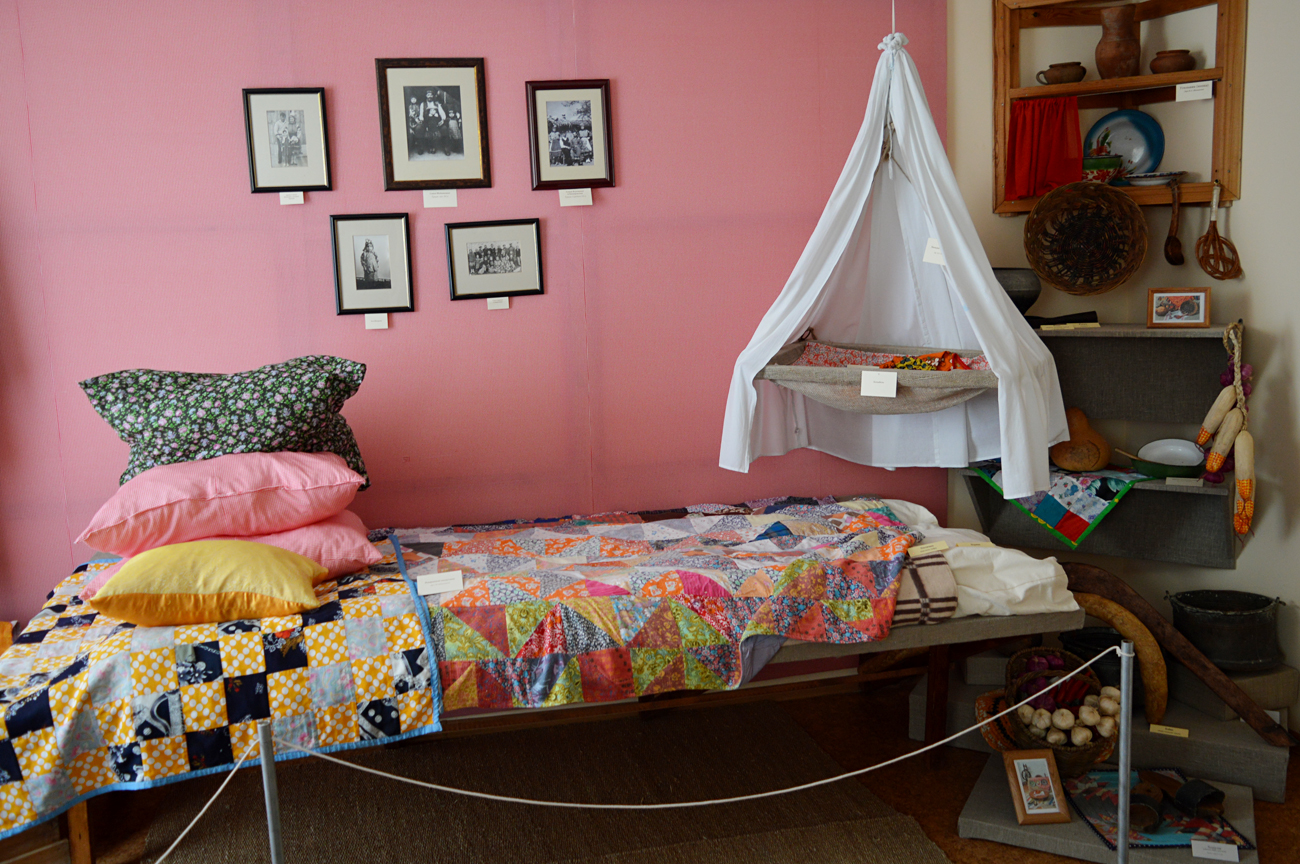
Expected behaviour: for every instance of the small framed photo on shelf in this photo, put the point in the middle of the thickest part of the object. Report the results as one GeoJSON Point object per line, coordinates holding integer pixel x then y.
{"type": "Point", "coordinates": [433, 119]}
{"type": "Point", "coordinates": [569, 134]}
{"type": "Point", "coordinates": [288, 143]}
{"type": "Point", "coordinates": [494, 259]}
{"type": "Point", "coordinates": [372, 263]}
{"type": "Point", "coordinates": [1178, 307]}
{"type": "Point", "coordinates": [1036, 787]}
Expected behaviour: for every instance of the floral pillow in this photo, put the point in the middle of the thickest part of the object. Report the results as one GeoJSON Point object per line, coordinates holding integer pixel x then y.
{"type": "Point", "coordinates": [170, 417]}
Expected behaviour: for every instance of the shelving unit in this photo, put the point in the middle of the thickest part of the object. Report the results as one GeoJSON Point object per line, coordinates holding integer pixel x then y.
{"type": "Point", "coordinates": [1127, 372]}
{"type": "Point", "coordinates": [1012, 16]}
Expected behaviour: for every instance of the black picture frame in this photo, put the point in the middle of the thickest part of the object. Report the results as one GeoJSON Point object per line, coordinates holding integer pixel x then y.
{"type": "Point", "coordinates": [554, 171]}
{"type": "Point", "coordinates": [435, 163]}
{"type": "Point", "coordinates": [348, 234]}
{"type": "Point", "coordinates": [266, 171]}
{"type": "Point", "coordinates": [519, 271]}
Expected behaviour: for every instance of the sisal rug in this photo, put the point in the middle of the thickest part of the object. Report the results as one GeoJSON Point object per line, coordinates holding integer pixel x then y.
{"type": "Point", "coordinates": [333, 815]}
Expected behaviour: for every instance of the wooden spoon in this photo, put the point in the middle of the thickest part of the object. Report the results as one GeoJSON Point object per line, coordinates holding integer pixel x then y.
{"type": "Point", "coordinates": [1173, 246]}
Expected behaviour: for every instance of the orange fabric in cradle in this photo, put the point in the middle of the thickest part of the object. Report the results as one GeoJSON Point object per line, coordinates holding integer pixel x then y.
{"type": "Point", "coordinates": [1044, 147]}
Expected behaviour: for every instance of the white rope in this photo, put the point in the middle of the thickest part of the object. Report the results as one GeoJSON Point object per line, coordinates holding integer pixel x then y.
{"type": "Point", "coordinates": [222, 788]}
{"type": "Point", "coordinates": [680, 804]}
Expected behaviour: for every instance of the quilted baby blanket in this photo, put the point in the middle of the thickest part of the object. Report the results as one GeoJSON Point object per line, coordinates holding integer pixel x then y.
{"type": "Point", "coordinates": [621, 605]}
{"type": "Point", "coordinates": [89, 703]}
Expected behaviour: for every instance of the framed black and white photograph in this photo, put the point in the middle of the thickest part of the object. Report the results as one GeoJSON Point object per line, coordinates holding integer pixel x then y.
{"type": "Point", "coordinates": [288, 141]}
{"type": "Point", "coordinates": [569, 134]}
{"type": "Point", "coordinates": [372, 263]}
{"type": "Point", "coordinates": [494, 259]}
{"type": "Point", "coordinates": [433, 119]}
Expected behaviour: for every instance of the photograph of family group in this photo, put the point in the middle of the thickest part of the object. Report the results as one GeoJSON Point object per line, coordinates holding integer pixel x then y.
{"type": "Point", "coordinates": [568, 126]}
{"type": "Point", "coordinates": [570, 134]}
{"type": "Point", "coordinates": [288, 143]}
{"type": "Point", "coordinates": [433, 123]}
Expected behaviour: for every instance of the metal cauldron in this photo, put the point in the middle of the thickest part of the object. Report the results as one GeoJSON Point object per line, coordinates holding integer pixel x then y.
{"type": "Point", "coordinates": [1236, 630]}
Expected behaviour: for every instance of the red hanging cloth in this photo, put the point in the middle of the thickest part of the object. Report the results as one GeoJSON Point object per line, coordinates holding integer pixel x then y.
{"type": "Point", "coordinates": [1044, 147]}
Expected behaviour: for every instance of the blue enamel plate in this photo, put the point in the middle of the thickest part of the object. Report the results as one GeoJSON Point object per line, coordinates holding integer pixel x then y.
{"type": "Point", "coordinates": [1131, 134]}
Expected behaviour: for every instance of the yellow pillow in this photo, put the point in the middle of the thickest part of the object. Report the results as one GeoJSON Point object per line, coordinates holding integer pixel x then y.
{"type": "Point", "coordinates": [209, 581]}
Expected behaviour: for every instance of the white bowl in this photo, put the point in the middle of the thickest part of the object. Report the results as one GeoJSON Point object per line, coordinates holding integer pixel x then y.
{"type": "Point", "coordinates": [1172, 451]}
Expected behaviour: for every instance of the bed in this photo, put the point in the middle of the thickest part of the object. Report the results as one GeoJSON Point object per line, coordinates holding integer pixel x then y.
{"type": "Point", "coordinates": [611, 609]}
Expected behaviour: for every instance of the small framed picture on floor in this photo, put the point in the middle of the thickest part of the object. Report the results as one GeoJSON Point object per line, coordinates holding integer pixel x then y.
{"type": "Point", "coordinates": [494, 259]}
{"type": "Point", "coordinates": [569, 134]}
{"type": "Point", "coordinates": [1178, 307]}
{"type": "Point", "coordinates": [1036, 787]}
{"type": "Point", "coordinates": [288, 143]}
{"type": "Point", "coordinates": [372, 263]}
{"type": "Point", "coordinates": [433, 123]}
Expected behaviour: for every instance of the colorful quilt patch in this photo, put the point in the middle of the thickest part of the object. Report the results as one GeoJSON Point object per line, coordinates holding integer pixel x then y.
{"type": "Point", "coordinates": [1073, 504]}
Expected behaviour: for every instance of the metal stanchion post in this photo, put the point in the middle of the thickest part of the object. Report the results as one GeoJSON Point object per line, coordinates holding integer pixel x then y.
{"type": "Point", "coordinates": [267, 747]}
{"type": "Point", "coordinates": [1126, 655]}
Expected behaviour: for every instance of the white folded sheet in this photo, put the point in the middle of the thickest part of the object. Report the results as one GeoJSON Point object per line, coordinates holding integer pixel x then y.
{"type": "Point", "coordinates": [992, 580]}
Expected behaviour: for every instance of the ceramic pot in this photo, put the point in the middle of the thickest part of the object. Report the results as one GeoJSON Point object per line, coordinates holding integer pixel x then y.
{"type": "Point", "coordinates": [1102, 169]}
{"type": "Point", "coordinates": [1062, 73]}
{"type": "Point", "coordinates": [1119, 52]}
{"type": "Point", "coordinates": [1021, 284]}
{"type": "Point", "coordinates": [1178, 60]}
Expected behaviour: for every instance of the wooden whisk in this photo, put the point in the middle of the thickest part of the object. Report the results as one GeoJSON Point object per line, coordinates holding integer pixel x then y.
{"type": "Point", "coordinates": [1216, 255]}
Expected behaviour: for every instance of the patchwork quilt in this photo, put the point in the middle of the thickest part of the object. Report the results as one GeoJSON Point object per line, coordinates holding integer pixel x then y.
{"type": "Point", "coordinates": [89, 703]}
{"type": "Point", "coordinates": [621, 605]}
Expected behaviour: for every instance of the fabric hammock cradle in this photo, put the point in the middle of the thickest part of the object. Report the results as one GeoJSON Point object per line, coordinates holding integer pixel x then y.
{"type": "Point", "coordinates": [862, 280]}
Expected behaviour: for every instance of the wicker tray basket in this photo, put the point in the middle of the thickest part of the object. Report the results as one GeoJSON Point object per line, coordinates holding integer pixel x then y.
{"type": "Point", "coordinates": [920, 391]}
{"type": "Point", "coordinates": [1085, 238]}
{"type": "Point", "coordinates": [1071, 761]}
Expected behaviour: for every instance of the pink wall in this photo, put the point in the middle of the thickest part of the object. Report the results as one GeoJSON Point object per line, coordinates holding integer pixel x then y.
{"type": "Point", "coordinates": [128, 238]}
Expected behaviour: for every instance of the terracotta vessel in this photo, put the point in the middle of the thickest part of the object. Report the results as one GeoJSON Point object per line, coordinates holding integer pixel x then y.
{"type": "Point", "coordinates": [1119, 53]}
{"type": "Point", "coordinates": [1062, 73]}
{"type": "Point", "coordinates": [1178, 60]}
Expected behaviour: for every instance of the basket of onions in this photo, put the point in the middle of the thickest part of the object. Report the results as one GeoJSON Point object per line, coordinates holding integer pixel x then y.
{"type": "Point", "coordinates": [1078, 719]}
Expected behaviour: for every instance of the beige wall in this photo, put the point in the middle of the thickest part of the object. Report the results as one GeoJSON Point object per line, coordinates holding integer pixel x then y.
{"type": "Point", "coordinates": [1266, 230]}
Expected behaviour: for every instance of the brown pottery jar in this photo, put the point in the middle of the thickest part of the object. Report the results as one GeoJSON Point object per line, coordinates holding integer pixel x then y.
{"type": "Point", "coordinates": [1062, 73]}
{"type": "Point", "coordinates": [1119, 53]}
{"type": "Point", "coordinates": [1177, 60]}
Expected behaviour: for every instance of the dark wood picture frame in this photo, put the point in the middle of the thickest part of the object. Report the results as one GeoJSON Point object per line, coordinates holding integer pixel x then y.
{"type": "Point", "coordinates": [1019, 793]}
{"type": "Point", "coordinates": [603, 149]}
{"type": "Point", "coordinates": [1203, 320]}
{"type": "Point", "coordinates": [251, 135]}
{"type": "Point", "coordinates": [499, 287]}
{"type": "Point", "coordinates": [391, 167]}
{"type": "Point", "coordinates": [342, 283]}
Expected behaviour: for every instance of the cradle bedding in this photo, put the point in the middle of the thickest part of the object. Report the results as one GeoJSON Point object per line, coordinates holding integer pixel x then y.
{"type": "Point", "coordinates": [89, 703]}
{"type": "Point", "coordinates": [621, 605]}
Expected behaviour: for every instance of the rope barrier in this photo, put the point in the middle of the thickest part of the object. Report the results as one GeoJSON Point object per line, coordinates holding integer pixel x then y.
{"type": "Point", "coordinates": [222, 788]}
{"type": "Point", "coordinates": [678, 804]}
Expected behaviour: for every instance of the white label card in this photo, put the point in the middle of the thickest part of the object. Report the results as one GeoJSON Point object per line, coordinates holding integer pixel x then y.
{"type": "Point", "coordinates": [879, 382]}
{"type": "Point", "coordinates": [1190, 92]}
{"type": "Point", "coordinates": [1214, 851]}
{"type": "Point", "coordinates": [440, 198]}
{"type": "Point", "coordinates": [439, 583]}
{"type": "Point", "coordinates": [933, 252]}
{"type": "Point", "coordinates": [376, 320]}
{"type": "Point", "coordinates": [575, 197]}
{"type": "Point", "coordinates": [292, 198]}
{"type": "Point", "coordinates": [498, 302]}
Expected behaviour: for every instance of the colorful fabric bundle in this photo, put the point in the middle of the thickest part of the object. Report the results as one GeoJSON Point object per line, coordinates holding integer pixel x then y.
{"type": "Point", "coordinates": [1074, 504]}
{"type": "Point", "coordinates": [819, 354]}
{"type": "Point", "coordinates": [1095, 796]}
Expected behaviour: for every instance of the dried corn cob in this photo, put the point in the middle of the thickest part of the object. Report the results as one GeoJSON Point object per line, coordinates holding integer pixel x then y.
{"type": "Point", "coordinates": [1224, 438]}
{"type": "Point", "coordinates": [1225, 401]}
{"type": "Point", "coordinates": [1244, 512]}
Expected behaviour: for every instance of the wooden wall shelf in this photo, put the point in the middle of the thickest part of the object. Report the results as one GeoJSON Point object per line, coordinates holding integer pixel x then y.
{"type": "Point", "coordinates": [1012, 16]}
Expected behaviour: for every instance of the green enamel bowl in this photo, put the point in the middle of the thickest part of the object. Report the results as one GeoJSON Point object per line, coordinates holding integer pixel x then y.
{"type": "Point", "coordinates": [1160, 470]}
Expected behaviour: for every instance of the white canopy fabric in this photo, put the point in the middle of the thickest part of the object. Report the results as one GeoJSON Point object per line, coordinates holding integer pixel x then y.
{"type": "Point", "coordinates": [861, 279]}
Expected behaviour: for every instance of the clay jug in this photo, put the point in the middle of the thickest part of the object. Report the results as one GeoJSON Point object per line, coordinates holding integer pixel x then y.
{"type": "Point", "coordinates": [1085, 451]}
{"type": "Point", "coordinates": [1119, 52]}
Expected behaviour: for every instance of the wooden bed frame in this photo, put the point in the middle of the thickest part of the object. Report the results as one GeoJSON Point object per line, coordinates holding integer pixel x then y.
{"type": "Point", "coordinates": [899, 656]}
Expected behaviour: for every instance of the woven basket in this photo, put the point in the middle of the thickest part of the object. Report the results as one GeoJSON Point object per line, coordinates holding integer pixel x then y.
{"type": "Point", "coordinates": [1018, 661]}
{"type": "Point", "coordinates": [1085, 238]}
{"type": "Point", "coordinates": [1071, 761]}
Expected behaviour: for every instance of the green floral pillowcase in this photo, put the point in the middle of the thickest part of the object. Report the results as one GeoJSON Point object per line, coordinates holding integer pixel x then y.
{"type": "Point", "coordinates": [170, 417]}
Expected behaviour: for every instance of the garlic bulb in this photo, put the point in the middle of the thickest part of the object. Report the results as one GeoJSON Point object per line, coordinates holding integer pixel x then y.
{"type": "Point", "coordinates": [1108, 706]}
{"type": "Point", "coordinates": [1111, 692]}
{"type": "Point", "coordinates": [1089, 715]}
{"type": "Point", "coordinates": [1055, 736]}
{"type": "Point", "coordinates": [1106, 727]}
{"type": "Point", "coordinates": [1091, 701]}
{"type": "Point", "coordinates": [1042, 718]}
{"type": "Point", "coordinates": [1026, 714]}
{"type": "Point", "coordinates": [1080, 735]}
{"type": "Point", "coordinates": [1036, 732]}
{"type": "Point", "coordinates": [1063, 719]}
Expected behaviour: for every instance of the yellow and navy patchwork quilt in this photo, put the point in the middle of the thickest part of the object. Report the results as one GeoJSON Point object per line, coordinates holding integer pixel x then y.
{"type": "Point", "coordinates": [89, 703]}
{"type": "Point", "coordinates": [619, 605]}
